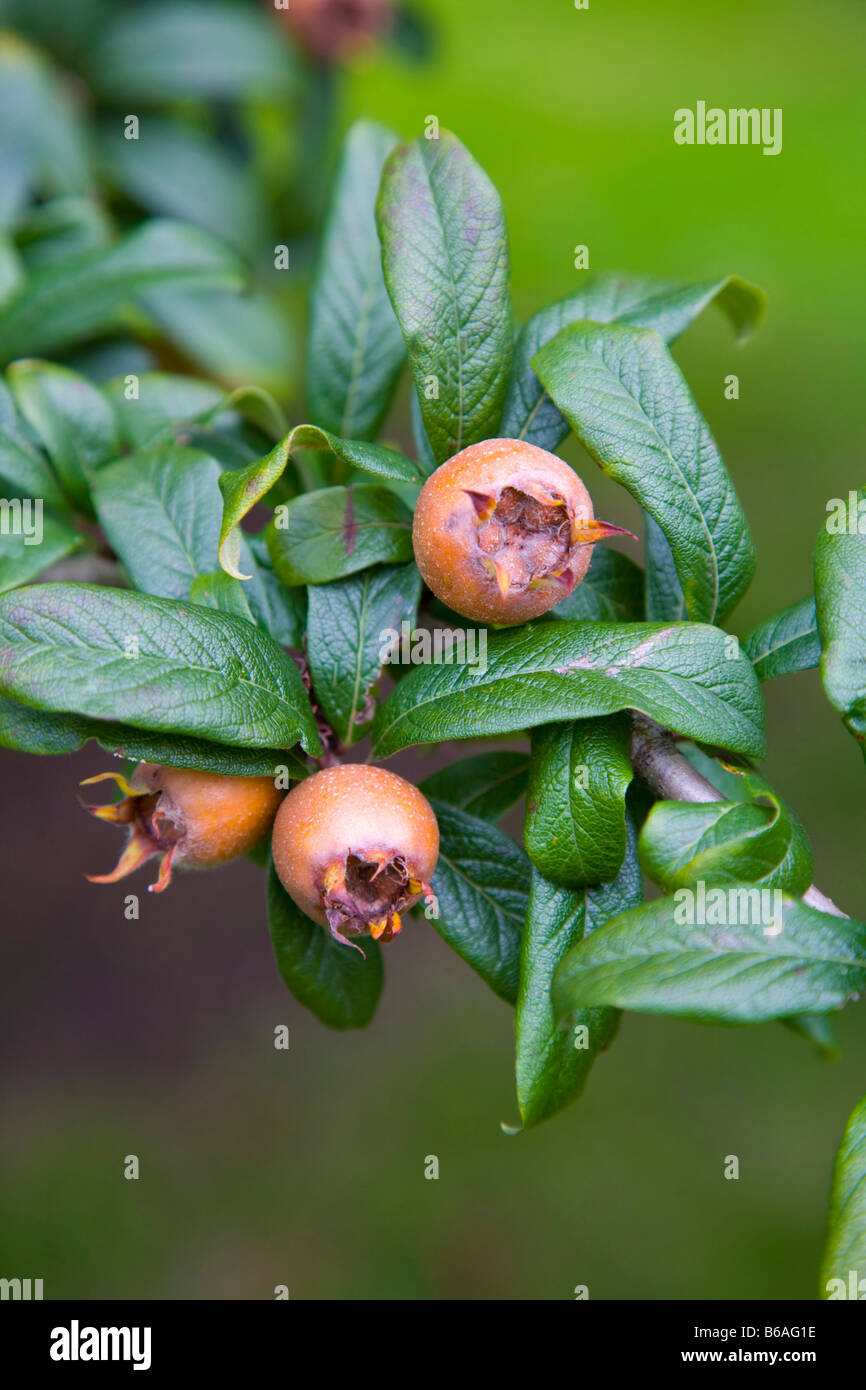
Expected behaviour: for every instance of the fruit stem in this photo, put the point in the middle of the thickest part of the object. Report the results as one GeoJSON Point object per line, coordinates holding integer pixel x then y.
{"type": "Point", "coordinates": [656, 758]}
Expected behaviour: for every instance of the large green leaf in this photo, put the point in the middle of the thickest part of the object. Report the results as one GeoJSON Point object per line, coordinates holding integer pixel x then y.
{"type": "Point", "coordinates": [481, 888]}
{"type": "Point", "coordinates": [347, 633]}
{"type": "Point", "coordinates": [337, 531]}
{"type": "Point", "coordinates": [336, 983]}
{"type": "Point", "coordinates": [445, 257]}
{"type": "Point", "coordinates": [159, 405]}
{"type": "Point", "coordinates": [785, 643]}
{"type": "Point", "coordinates": [51, 232]}
{"type": "Point", "coordinates": [845, 1251]}
{"type": "Point", "coordinates": [629, 404]}
{"type": "Point", "coordinates": [575, 830]}
{"type": "Point", "coordinates": [34, 731]}
{"type": "Point", "coordinates": [153, 663]}
{"type": "Point", "coordinates": [282, 610]}
{"type": "Point", "coordinates": [237, 338]}
{"type": "Point", "coordinates": [23, 557]}
{"type": "Point", "coordinates": [160, 509]}
{"type": "Point", "coordinates": [182, 48]}
{"type": "Point", "coordinates": [665, 601]}
{"type": "Point", "coordinates": [611, 591]}
{"type": "Point", "coordinates": [724, 842]}
{"type": "Point", "coordinates": [175, 172]}
{"type": "Point", "coordinates": [737, 969]}
{"type": "Point", "coordinates": [840, 599]}
{"type": "Point", "coordinates": [355, 348]}
{"type": "Point", "coordinates": [62, 303]}
{"type": "Point", "coordinates": [552, 1063]}
{"type": "Point", "coordinates": [242, 490]}
{"type": "Point", "coordinates": [73, 419]}
{"type": "Point", "coordinates": [44, 149]}
{"type": "Point", "coordinates": [686, 676]}
{"type": "Point", "coordinates": [669, 308]}
{"type": "Point", "coordinates": [24, 471]}
{"type": "Point", "coordinates": [485, 785]}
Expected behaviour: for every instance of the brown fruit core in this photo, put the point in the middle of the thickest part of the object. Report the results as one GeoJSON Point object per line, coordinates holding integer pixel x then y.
{"type": "Point", "coordinates": [523, 538]}
{"type": "Point", "coordinates": [364, 895]}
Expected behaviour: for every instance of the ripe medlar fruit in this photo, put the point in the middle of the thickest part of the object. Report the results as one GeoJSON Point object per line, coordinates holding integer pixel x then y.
{"type": "Point", "coordinates": [354, 846]}
{"type": "Point", "coordinates": [504, 530]}
{"type": "Point", "coordinates": [193, 819]}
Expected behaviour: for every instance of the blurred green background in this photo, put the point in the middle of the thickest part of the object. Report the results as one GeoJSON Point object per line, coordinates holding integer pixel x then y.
{"type": "Point", "coordinates": [306, 1168]}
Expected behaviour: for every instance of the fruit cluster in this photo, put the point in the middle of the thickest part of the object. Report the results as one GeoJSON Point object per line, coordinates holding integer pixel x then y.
{"type": "Point", "coordinates": [502, 531]}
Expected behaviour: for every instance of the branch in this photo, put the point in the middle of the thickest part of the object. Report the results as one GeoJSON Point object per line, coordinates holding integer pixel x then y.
{"type": "Point", "coordinates": [656, 758]}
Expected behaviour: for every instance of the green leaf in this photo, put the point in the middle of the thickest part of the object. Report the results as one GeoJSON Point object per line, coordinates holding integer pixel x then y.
{"type": "Point", "coordinates": [684, 675]}
{"type": "Point", "coordinates": [24, 472]}
{"type": "Point", "coordinates": [175, 172]}
{"type": "Point", "coordinates": [480, 886]}
{"type": "Point", "coordinates": [840, 600]}
{"type": "Point", "coordinates": [336, 531]}
{"type": "Point", "coordinates": [238, 338]}
{"type": "Point", "coordinates": [551, 1065]}
{"type": "Point", "coordinates": [242, 490]}
{"type": "Point", "coordinates": [356, 348]}
{"type": "Point", "coordinates": [611, 591]}
{"type": "Point", "coordinates": [183, 48]}
{"type": "Point", "coordinates": [768, 956]}
{"type": "Point", "coordinates": [281, 610]}
{"type": "Point", "coordinates": [845, 1250]}
{"type": "Point", "coordinates": [725, 842]}
{"type": "Point", "coordinates": [62, 303]}
{"type": "Point", "coordinates": [629, 404]}
{"type": "Point", "coordinates": [575, 830]}
{"type": "Point", "coordinates": [818, 1030]}
{"type": "Point", "coordinates": [218, 590]}
{"type": "Point", "coordinates": [23, 556]}
{"type": "Point", "coordinates": [52, 232]}
{"type": "Point", "coordinates": [32, 731]}
{"type": "Point", "coordinates": [44, 148]}
{"type": "Point", "coordinates": [339, 985]}
{"type": "Point", "coordinates": [486, 785]}
{"type": "Point", "coordinates": [161, 405]}
{"type": "Point", "coordinates": [665, 600]}
{"type": "Point", "coordinates": [153, 663]}
{"type": "Point", "coordinates": [668, 308]}
{"type": "Point", "coordinates": [71, 417]}
{"type": "Point", "coordinates": [348, 631]}
{"type": "Point", "coordinates": [445, 257]}
{"type": "Point", "coordinates": [423, 452]}
{"type": "Point", "coordinates": [160, 509]}
{"type": "Point", "coordinates": [785, 643]}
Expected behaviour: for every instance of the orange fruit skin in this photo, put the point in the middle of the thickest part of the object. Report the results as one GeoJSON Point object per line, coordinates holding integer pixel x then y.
{"type": "Point", "coordinates": [217, 817]}
{"type": "Point", "coordinates": [351, 809]}
{"type": "Point", "coordinates": [445, 525]}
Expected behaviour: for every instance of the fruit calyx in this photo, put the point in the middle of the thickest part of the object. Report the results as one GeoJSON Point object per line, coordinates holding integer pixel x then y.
{"type": "Point", "coordinates": [364, 894]}
{"type": "Point", "coordinates": [151, 830]}
{"type": "Point", "coordinates": [527, 534]}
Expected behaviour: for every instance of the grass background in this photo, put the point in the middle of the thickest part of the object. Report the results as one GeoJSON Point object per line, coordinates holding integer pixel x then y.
{"type": "Point", "coordinates": [306, 1168]}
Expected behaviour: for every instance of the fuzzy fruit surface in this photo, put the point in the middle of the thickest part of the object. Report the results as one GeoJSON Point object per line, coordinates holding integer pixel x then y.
{"type": "Point", "coordinates": [503, 531]}
{"type": "Point", "coordinates": [194, 819]}
{"type": "Point", "coordinates": [354, 846]}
